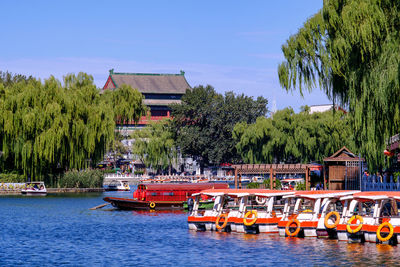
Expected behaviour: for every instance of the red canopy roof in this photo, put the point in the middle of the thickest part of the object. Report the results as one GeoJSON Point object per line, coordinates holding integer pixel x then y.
{"type": "Point", "coordinates": [169, 187]}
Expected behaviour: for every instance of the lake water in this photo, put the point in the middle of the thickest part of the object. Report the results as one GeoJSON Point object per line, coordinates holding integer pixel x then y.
{"type": "Point", "coordinates": [61, 230]}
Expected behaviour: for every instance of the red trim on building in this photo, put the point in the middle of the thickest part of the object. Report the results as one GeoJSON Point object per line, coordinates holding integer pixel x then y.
{"type": "Point", "coordinates": [107, 82]}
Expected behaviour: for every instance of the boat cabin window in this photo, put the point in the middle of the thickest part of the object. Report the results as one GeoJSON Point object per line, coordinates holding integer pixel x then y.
{"type": "Point", "coordinates": [306, 205]}
{"type": "Point", "coordinates": [389, 209]}
{"type": "Point", "coordinates": [154, 194]}
{"type": "Point", "coordinates": [168, 193]}
{"type": "Point", "coordinates": [367, 209]}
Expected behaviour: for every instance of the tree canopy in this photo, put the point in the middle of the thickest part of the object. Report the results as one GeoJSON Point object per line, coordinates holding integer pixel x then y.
{"type": "Point", "coordinates": [155, 145]}
{"type": "Point", "coordinates": [48, 126]}
{"type": "Point", "coordinates": [351, 50]}
{"type": "Point", "coordinates": [293, 138]}
{"type": "Point", "coordinates": [7, 78]}
{"type": "Point", "coordinates": [204, 121]}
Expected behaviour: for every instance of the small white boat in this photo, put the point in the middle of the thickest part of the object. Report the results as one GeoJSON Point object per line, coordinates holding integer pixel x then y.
{"type": "Point", "coordinates": [34, 189]}
{"type": "Point", "coordinates": [118, 185]}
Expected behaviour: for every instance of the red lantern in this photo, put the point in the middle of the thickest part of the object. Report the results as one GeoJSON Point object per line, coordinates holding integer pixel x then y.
{"type": "Point", "coordinates": [388, 153]}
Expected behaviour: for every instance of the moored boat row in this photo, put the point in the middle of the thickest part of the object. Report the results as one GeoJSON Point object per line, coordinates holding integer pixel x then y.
{"type": "Point", "coordinates": [351, 216]}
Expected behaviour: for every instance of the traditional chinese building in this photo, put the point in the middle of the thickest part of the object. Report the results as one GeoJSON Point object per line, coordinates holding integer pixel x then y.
{"type": "Point", "coordinates": [344, 170]}
{"type": "Point", "coordinates": [159, 90]}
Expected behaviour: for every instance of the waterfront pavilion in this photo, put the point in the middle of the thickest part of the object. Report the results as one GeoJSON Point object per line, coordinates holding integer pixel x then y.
{"type": "Point", "coordinates": [272, 170]}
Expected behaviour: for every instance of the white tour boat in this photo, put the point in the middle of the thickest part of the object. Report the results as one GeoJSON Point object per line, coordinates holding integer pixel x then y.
{"type": "Point", "coordinates": [34, 189]}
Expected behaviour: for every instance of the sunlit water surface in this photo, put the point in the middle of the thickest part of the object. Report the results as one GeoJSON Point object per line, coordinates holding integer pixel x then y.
{"type": "Point", "coordinates": [61, 230]}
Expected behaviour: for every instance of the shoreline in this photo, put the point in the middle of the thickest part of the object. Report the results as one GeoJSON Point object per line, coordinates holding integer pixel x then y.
{"type": "Point", "coordinates": [56, 190]}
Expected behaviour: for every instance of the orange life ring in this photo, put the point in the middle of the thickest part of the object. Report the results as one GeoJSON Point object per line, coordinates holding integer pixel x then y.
{"type": "Point", "coordinates": [287, 229]}
{"type": "Point", "coordinates": [219, 226]}
{"type": "Point", "coordinates": [378, 231]}
{"type": "Point", "coordinates": [152, 205]}
{"type": "Point", "coordinates": [328, 216]}
{"type": "Point", "coordinates": [247, 215]}
{"type": "Point", "coordinates": [349, 223]}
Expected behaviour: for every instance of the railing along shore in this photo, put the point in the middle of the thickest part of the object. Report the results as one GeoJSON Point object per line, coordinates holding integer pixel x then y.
{"type": "Point", "coordinates": [380, 183]}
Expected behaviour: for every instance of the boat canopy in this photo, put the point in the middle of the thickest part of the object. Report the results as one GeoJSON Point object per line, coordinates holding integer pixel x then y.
{"type": "Point", "coordinates": [183, 187]}
{"type": "Point", "coordinates": [244, 192]}
{"type": "Point", "coordinates": [374, 195]}
{"type": "Point", "coordinates": [324, 193]}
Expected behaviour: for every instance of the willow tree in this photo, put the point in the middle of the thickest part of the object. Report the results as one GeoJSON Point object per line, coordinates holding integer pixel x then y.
{"type": "Point", "coordinates": [155, 145]}
{"type": "Point", "coordinates": [204, 121]}
{"type": "Point", "coordinates": [48, 126]}
{"type": "Point", "coordinates": [293, 138]}
{"type": "Point", "coordinates": [351, 50]}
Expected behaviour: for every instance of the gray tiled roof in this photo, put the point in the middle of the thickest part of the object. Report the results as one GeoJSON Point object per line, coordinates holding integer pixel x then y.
{"type": "Point", "coordinates": [152, 83]}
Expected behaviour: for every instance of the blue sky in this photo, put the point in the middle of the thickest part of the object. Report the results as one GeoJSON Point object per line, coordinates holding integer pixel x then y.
{"type": "Point", "coordinates": [231, 45]}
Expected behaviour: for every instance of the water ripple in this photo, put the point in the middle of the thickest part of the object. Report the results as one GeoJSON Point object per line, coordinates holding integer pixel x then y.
{"type": "Point", "coordinates": [61, 230]}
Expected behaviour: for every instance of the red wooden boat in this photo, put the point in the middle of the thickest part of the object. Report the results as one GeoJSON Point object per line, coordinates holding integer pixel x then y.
{"type": "Point", "coordinates": [161, 196]}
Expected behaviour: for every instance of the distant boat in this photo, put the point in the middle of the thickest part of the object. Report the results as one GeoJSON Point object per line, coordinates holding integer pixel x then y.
{"type": "Point", "coordinates": [290, 184]}
{"type": "Point", "coordinates": [161, 196]}
{"type": "Point", "coordinates": [118, 185]}
{"type": "Point", "coordinates": [34, 189]}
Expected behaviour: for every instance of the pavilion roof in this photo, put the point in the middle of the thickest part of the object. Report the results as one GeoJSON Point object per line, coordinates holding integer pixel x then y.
{"type": "Point", "coordinates": [149, 83]}
{"type": "Point", "coordinates": [343, 154]}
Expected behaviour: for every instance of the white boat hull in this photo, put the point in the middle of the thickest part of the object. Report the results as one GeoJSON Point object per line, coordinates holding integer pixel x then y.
{"type": "Point", "coordinates": [34, 193]}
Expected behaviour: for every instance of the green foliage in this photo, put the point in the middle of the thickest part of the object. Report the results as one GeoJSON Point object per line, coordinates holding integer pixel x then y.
{"type": "Point", "coordinates": [253, 185]}
{"type": "Point", "coordinates": [293, 138]}
{"type": "Point", "coordinates": [108, 171]}
{"type": "Point", "coordinates": [396, 176]}
{"type": "Point", "coordinates": [353, 49]}
{"type": "Point", "coordinates": [155, 145]}
{"type": "Point", "coordinates": [127, 102]}
{"type": "Point", "coordinates": [139, 172]}
{"type": "Point", "coordinates": [12, 177]}
{"type": "Point", "coordinates": [118, 149]}
{"type": "Point", "coordinates": [278, 184]}
{"type": "Point", "coordinates": [82, 179]}
{"type": "Point", "coordinates": [203, 123]}
{"type": "Point", "coordinates": [7, 78]}
{"type": "Point", "coordinates": [300, 187]}
{"type": "Point", "coordinates": [48, 127]}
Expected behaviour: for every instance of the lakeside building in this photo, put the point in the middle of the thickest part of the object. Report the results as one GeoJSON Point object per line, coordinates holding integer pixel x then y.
{"type": "Point", "coordinates": [159, 90]}
{"type": "Point", "coordinates": [323, 108]}
{"type": "Point", "coordinates": [343, 170]}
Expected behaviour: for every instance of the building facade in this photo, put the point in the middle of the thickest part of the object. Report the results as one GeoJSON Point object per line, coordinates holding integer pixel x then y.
{"type": "Point", "coordinates": [159, 90]}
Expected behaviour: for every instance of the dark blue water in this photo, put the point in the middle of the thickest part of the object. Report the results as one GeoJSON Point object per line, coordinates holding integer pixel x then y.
{"type": "Point", "coordinates": [61, 230]}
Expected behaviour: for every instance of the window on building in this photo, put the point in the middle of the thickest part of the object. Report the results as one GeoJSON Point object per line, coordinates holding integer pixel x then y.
{"type": "Point", "coordinates": [160, 113]}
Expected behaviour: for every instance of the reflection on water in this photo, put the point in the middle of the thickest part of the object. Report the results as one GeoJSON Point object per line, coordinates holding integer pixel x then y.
{"type": "Point", "coordinates": [61, 230]}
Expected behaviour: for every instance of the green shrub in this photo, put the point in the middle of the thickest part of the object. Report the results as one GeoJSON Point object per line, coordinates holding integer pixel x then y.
{"type": "Point", "coordinates": [81, 179]}
{"type": "Point", "coordinates": [253, 185]}
{"type": "Point", "coordinates": [12, 177]}
{"type": "Point", "coordinates": [108, 171]}
{"type": "Point", "coordinates": [300, 187]}
{"type": "Point", "coordinates": [396, 176]}
{"type": "Point", "coordinates": [278, 184]}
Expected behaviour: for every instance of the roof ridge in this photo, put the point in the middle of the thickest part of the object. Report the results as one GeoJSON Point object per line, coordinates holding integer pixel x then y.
{"type": "Point", "coordinates": [182, 73]}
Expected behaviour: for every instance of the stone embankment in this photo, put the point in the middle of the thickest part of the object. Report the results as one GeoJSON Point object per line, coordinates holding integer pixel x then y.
{"type": "Point", "coordinates": [15, 189]}
{"type": "Point", "coordinates": [74, 190]}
